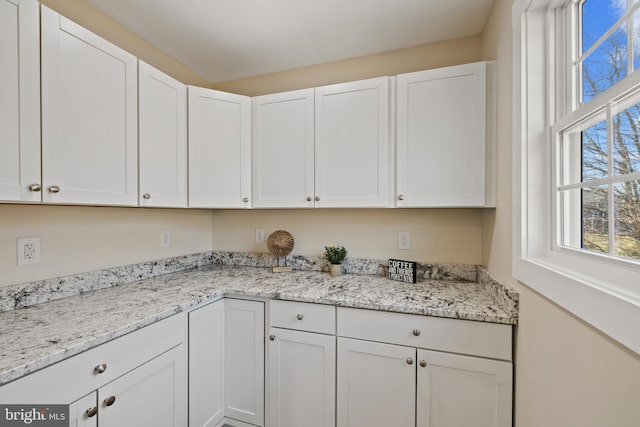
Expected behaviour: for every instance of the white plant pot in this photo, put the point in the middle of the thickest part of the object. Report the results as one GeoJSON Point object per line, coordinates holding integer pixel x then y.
{"type": "Point", "coordinates": [335, 269]}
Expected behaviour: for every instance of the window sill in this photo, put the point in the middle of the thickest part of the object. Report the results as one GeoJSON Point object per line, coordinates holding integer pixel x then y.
{"type": "Point", "coordinates": [612, 313]}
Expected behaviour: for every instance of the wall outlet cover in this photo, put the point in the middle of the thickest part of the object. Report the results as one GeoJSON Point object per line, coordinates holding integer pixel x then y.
{"type": "Point", "coordinates": [28, 250]}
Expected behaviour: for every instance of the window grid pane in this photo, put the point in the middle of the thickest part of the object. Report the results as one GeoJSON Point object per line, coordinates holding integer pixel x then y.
{"type": "Point", "coordinates": [627, 219]}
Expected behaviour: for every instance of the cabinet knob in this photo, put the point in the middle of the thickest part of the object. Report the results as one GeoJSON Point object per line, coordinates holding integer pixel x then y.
{"type": "Point", "coordinates": [146, 196]}
{"type": "Point", "coordinates": [317, 198]}
{"type": "Point", "coordinates": [299, 316]}
{"type": "Point", "coordinates": [246, 199]}
{"type": "Point", "coordinates": [423, 363]}
{"type": "Point", "coordinates": [309, 198]}
{"type": "Point", "coordinates": [409, 361]}
{"type": "Point", "coordinates": [110, 400]}
{"type": "Point", "coordinates": [91, 412]}
{"type": "Point", "coordinates": [54, 189]}
{"type": "Point", "coordinates": [272, 337]}
{"type": "Point", "coordinates": [35, 187]}
{"type": "Point", "coordinates": [100, 368]}
{"type": "Point", "coordinates": [416, 332]}
{"type": "Point", "coordinates": [401, 197]}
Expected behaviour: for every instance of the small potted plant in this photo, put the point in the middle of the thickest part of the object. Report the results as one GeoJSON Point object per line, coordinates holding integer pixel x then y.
{"type": "Point", "coordinates": [335, 255]}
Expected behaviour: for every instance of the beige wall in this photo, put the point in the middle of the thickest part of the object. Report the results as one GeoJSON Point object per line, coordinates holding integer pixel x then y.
{"type": "Point", "coordinates": [418, 58]}
{"type": "Point", "coordinates": [75, 239]}
{"type": "Point", "coordinates": [567, 374]}
{"type": "Point", "coordinates": [437, 235]}
{"type": "Point", "coordinates": [86, 15]}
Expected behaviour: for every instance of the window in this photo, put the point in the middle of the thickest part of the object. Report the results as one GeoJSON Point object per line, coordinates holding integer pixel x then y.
{"type": "Point", "coordinates": [576, 129]}
{"type": "Point", "coordinates": [598, 154]}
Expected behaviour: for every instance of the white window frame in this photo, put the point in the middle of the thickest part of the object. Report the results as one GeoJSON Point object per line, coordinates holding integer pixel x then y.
{"type": "Point", "coordinates": [603, 292]}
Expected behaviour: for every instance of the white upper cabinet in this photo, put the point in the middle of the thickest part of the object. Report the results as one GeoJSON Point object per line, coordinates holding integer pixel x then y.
{"type": "Point", "coordinates": [283, 159]}
{"type": "Point", "coordinates": [20, 101]}
{"type": "Point", "coordinates": [219, 149]}
{"type": "Point", "coordinates": [352, 144]}
{"type": "Point", "coordinates": [323, 147]}
{"type": "Point", "coordinates": [445, 155]}
{"type": "Point", "coordinates": [89, 116]}
{"type": "Point", "coordinates": [162, 121]}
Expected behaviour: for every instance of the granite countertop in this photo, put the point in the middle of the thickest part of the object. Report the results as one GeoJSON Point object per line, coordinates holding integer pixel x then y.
{"type": "Point", "coordinates": [40, 335]}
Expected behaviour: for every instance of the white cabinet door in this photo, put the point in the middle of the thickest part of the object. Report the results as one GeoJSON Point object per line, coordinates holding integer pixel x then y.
{"type": "Point", "coordinates": [352, 144]}
{"type": "Point", "coordinates": [302, 377]}
{"type": "Point", "coordinates": [89, 117]}
{"type": "Point", "coordinates": [153, 394]}
{"type": "Point", "coordinates": [162, 121]}
{"type": "Point", "coordinates": [20, 101]}
{"type": "Point", "coordinates": [376, 384]}
{"type": "Point", "coordinates": [443, 152]}
{"type": "Point", "coordinates": [283, 158]}
{"type": "Point", "coordinates": [84, 411]}
{"type": "Point", "coordinates": [462, 391]}
{"type": "Point", "coordinates": [219, 149]}
{"type": "Point", "coordinates": [206, 365]}
{"type": "Point", "coordinates": [244, 361]}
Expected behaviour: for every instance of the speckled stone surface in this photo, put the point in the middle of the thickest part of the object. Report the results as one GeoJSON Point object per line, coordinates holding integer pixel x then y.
{"type": "Point", "coordinates": [37, 336]}
{"type": "Point", "coordinates": [374, 267]}
{"type": "Point", "coordinates": [28, 294]}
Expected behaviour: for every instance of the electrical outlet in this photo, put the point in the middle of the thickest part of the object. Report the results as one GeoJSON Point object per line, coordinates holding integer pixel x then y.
{"type": "Point", "coordinates": [165, 238]}
{"type": "Point", "coordinates": [259, 235]}
{"type": "Point", "coordinates": [29, 251]}
{"type": "Point", "coordinates": [404, 240]}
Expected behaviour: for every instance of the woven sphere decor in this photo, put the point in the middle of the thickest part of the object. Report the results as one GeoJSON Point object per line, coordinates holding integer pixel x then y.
{"type": "Point", "coordinates": [280, 243]}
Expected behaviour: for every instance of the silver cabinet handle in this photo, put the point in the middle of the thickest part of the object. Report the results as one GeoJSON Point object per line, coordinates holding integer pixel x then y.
{"type": "Point", "coordinates": [409, 361]}
{"type": "Point", "coordinates": [246, 199]}
{"type": "Point", "coordinates": [100, 368]}
{"type": "Point", "coordinates": [401, 197]}
{"type": "Point", "coordinates": [299, 316]}
{"type": "Point", "coordinates": [423, 363]}
{"type": "Point", "coordinates": [110, 400]}
{"type": "Point", "coordinates": [416, 332]}
{"type": "Point", "coordinates": [91, 412]}
{"type": "Point", "coordinates": [146, 196]}
{"type": "Point", "coordinates": [309, 198]}
{"type": "Point", "coordinates": [54, 189]}
{"type": "Point", "coordinates": [317, 198]}
{"type": "Point", "coordinates": [272, 337]}
{"type": "Point", "coordinates": [35, 187]}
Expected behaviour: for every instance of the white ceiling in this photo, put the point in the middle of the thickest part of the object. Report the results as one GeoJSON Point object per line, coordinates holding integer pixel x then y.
{"type": "Point", "coordinates": [231, 39]}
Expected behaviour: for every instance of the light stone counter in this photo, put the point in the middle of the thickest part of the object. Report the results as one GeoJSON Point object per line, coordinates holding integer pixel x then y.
{"type": "Point", "coordinates": [40, 335]}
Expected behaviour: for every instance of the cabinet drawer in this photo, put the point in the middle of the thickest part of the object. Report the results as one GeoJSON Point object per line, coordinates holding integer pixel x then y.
{"type": "Point", "coordinates": [303, 316]}
{"type": "Point", "coordinates": [65, 381]}
{"type": "Point", "coordinates": [452, 335]}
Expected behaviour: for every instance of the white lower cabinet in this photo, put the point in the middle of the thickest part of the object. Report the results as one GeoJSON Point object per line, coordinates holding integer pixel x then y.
{"type": "Point", "coordinates": [382, 384]}
{"type": "Point", "coordinates": [243, 362]}
{"type": "Point", "coordinates": [302, 379]}
{"type": "Point", "coordinates": [83, 412]}
{"type": "Point", "coordinates": [136, 380]}
{"type": "Point", "coordinates": [376, 384]}
{"type": "Point", "coordinates": [206, 365]}
{"type": "Point", "coordinates": [302, 364]}
{"type": "Point", "coordinates": [462, 391]}
{"type": "Point", "coordinates": [145, 396]}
